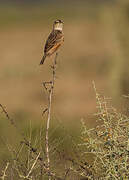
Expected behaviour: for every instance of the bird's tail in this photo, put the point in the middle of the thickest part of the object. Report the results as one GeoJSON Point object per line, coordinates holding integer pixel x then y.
{"type": "Point", "coordinates": [43, 59]}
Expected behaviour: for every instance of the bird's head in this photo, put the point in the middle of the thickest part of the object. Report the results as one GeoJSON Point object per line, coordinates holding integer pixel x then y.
{"type": "Point", "coordinates": [58, 25]}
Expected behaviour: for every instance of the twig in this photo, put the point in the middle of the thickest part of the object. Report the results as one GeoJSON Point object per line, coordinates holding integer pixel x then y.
{"type": "Point", "coordinates": [7, 115]}
{"type": "Point", "coordinates": [66, 173]}
{"type": "Point", "coordinates": [47, 83]}
{"type": "Point", "coordinates": [12, 121]}
{"type": "Point", "coordinates": [14, 125]}
{"type": "Point", "coordinates": [33, 165]}
{"type": "Point", "coordinates": [4, 172]}
{"type": "Point", "coordinates": [44, 111]}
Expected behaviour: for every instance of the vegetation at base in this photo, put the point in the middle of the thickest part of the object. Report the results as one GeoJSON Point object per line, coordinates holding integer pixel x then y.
{"type": "Point", "coordinates": [101, 152]}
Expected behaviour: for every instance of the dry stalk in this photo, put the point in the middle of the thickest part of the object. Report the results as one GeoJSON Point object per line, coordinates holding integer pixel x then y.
{"type": "Point", "coordinates": [33, 166]}
{"type": "Point", "coordinates": [49, 90]}
{"type": "Point", "coordinates": [40, 159]}
{"type": "Point", "coordinates": [4, 172]}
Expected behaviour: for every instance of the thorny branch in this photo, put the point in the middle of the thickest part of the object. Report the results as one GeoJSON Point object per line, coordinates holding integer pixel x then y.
{"type": "Point", "coordinates": [7, 115]}
{"type": "Point", "coordinates": [50, 93]}
{"type": "Point", "coordinates": [13, 123]}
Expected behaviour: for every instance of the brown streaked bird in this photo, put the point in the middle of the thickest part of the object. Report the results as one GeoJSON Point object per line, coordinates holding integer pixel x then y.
{"type": "Point", "coordinates": [54, 41]}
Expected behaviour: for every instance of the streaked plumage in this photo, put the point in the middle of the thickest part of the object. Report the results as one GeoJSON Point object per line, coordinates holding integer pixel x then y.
{"type": "Point", "coordinates": [54, 41]}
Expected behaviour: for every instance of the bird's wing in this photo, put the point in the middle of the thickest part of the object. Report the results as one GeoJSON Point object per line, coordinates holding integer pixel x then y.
{"type": "Point", "coordinates": [54, 38]}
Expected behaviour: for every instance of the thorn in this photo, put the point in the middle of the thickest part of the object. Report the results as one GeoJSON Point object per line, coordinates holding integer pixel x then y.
{"type": "Point", "coordinates": [44, 111]}
{"type": "Point", "coordinates": [52, 67]}
{"type": "Point", "coordinates": [45, 83]}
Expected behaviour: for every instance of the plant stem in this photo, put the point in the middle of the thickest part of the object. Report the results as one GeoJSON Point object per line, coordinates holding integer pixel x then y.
{"type": "Point", "coordinates": [50, 93]}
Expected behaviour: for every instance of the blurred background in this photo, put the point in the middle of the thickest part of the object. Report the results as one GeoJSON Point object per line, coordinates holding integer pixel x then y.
{"type": "Point", "coordinates": [95, 49]}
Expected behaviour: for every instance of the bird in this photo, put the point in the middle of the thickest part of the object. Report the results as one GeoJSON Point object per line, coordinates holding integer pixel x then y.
{"type": "Point", "coordinates": [54, 40]}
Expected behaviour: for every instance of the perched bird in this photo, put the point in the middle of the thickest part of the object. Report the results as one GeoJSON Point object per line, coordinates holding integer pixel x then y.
{"type": "Point", "coordinates": [54, 41]}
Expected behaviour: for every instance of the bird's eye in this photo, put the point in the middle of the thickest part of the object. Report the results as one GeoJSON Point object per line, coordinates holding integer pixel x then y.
{"type": "Point", "coordinates": [61, 21]}
{"type": "Point", "coordinates": [58, 21]}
